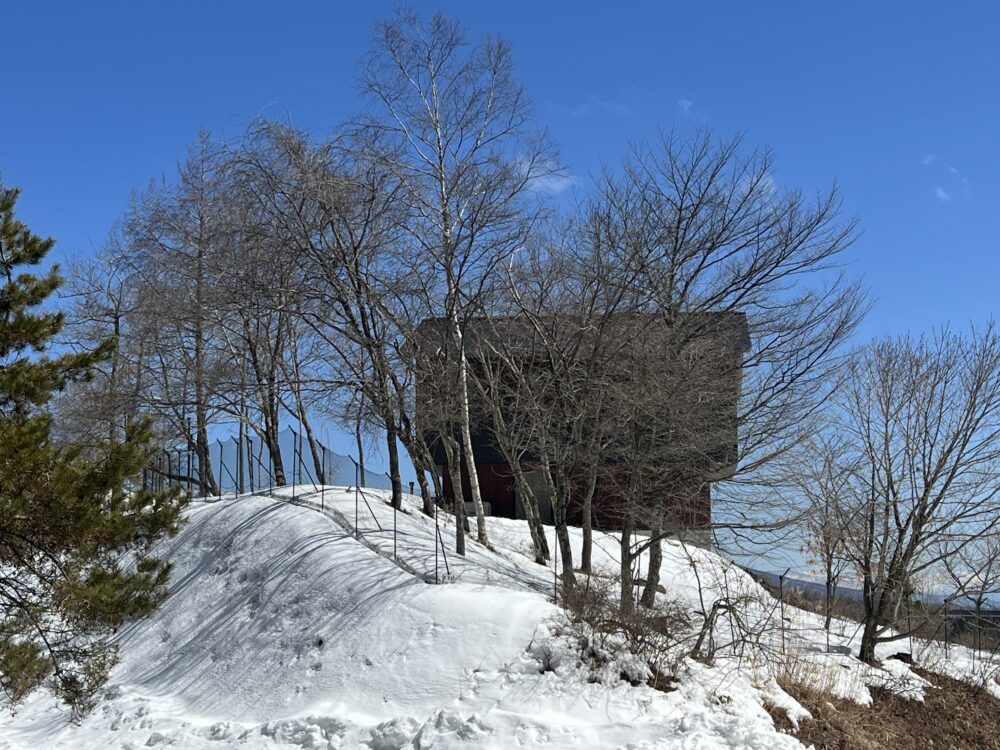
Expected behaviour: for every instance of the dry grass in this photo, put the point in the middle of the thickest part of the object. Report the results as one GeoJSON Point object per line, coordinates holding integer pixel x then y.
{"type": "Point", "coordinates": [953, 715]}
{"type": "Point", "coordinates": [650, 635]}
{"type": "Point", "coordinates": [797, 673]}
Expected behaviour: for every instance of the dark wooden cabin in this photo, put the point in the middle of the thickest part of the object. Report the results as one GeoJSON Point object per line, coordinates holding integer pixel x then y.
{"type": "Point", "coordinates": [724, 335]}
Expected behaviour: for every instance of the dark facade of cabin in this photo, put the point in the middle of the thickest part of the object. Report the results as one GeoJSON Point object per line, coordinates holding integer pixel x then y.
{"type": "Point", "coordinates": [496, 481]}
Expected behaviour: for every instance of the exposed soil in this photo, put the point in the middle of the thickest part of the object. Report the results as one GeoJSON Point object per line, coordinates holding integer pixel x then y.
{"type": "Point", "coordinates": [953, 715]}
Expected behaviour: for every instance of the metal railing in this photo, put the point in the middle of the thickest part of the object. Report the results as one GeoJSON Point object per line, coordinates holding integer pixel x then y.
{"type": "Point", "coordinates": [247, 466]}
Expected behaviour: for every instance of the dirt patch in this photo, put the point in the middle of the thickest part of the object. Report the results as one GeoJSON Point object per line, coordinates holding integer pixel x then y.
{"type": "Point", "coordinates": [953, 715]}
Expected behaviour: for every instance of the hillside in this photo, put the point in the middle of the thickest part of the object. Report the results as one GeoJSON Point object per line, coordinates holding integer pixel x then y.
{"type": "Point", "coordinates": [283, 630]}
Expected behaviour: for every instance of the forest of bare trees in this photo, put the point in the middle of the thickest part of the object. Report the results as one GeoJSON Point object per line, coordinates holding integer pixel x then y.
{"type": "Point", "coordinates": [284, 278]}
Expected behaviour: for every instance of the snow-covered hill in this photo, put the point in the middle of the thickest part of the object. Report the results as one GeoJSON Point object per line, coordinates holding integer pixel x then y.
{"type": "Point", "coordinates": [288, 627]}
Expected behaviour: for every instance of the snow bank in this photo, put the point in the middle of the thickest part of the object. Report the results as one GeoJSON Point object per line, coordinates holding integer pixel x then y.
{"type": "Point", "coordinates": [293, 626]}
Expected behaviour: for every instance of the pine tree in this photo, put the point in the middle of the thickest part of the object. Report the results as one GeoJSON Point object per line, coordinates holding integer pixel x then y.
{"type": "Point", "coordinates": [75, 528]}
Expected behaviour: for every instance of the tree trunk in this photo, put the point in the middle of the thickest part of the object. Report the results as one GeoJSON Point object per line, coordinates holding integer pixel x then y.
{"type": "Point", "coordinates": [873, 614]}
{"type": "Point", "coordinates": [588, 520]}
{"type": "Point", "coordinates": [314, 448]}
{"type": "Point", "coordinates": [648, 598]}
{"type": "Point", "coordinates": [868, 640]}
{"type": "Point", "coordinates": [559, 518]}
{"type": "Point", "coordinates": [421, 459]}
{"type": "Point", "coordinates": [426, 498]}
{"type": "Point", "coordinates": [466, 429]}
{"type": "Point", "coordinates": [534, 518]}
{"type": "Point", "coordinates": [360, 441]}
{"type": "Point", "coordinates": [206, 477]}
{"type": "Point", "coordinates": [627, 597]}
{"type": "Point", "coordinates": [831, 592]}
{"type": "Point", "coordinates": [393, 448]}
{"type": "Point", "coordinates": [271, 427]}
{"type": "Point", "coordinates": [451, 451]}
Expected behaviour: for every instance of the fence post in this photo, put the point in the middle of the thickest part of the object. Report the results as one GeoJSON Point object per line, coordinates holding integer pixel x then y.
{"type": "Point", "coordinates": [393, 532]}
{"type": "Point", "coordinates": [357, 530]}
{"type": "Point", "coordinates": [947, 633]}
{"type": "Point", "coordinates": [220, 468]}
{"type": "Point", "coordinates": [322, 489]}
{"type": "Point", "coordinates": [979, 631]}
{"type": "Point", "coordinates": [302, 467]}
{"type": "Point", "coordinates": [189, 469]}
{"type": "Point", "coordinates": [249, 461]}
{"type": "Point", "coordinates": [781, 599]}
{"type": "Point", "coordinates": [295, 462]}
{"type": "Point", "coordinates": [239, 465]}
{"type": "Point", "coordinates": [270, 471]}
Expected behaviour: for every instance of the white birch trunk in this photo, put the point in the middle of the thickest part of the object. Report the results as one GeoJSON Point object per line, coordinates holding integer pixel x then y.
{"type": "Point", "coordinates": [463, 382]}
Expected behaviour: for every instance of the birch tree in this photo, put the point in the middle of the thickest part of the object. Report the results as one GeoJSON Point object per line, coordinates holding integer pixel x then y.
{"type": "Point", "coordinates": [454, 127]}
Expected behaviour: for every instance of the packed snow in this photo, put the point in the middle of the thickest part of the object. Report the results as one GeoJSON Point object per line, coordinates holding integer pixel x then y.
{"type": "Point", "coordinates": [311, 620]}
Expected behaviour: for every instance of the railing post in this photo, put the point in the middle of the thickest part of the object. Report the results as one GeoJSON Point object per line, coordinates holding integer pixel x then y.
{"type": "Point", "coordinates": [947, 634]}
{"type": "Point", "coordinates": [220, 468]}
{"type": "Point", "coordinates": [239, 465]}
{"type": "Point", "coordinates": [781, 601]}
{"type": "Point", "coordinates": [357, 531]}
{"type": "Point", "coordinates": [250, 468]}
{"type": "Point", "coordinates": [301, 463]}
{"type": "Point", "coordinates": [322, 489]}
{"type": "Point", "coordinates": [270, 471]}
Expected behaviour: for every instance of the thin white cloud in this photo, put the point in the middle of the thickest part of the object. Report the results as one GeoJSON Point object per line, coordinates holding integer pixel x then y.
{"type": "Point", "coordinates": [595, 103]}
{"type": "Point", "coordinates": [548, 177]}
{"type": "Point", "coordinates": [951, 181]}
{"type": "Point", "coordinates": [690, 111]}
{"type": "Point", "coordinates": [553, 183]}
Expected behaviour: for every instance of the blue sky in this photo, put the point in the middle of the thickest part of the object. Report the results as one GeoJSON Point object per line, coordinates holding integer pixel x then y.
{"type": "Point", "coordinates": [899, 103]}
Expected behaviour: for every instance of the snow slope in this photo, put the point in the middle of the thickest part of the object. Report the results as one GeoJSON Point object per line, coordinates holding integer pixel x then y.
{"type": "Point", "coordinates": [292, 626]}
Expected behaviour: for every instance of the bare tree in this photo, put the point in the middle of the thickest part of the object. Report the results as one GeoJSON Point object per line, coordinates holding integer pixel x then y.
{"type": "Point", "coordinates": [171, 232]}
{"type": "Point", "coordinates": [823, 481]}
{"type": "Point", "coordinates": [104, 305]}
{"type": "Point", "coordinates": [973, 572]}
{"type": "Point", "coordinates": [453, 126]}
{"type": "Point", "coordinates": [703, 234]}
{"type": "Point", "coordinates": [922, 418]}
{"type": "Point", "coordinates": [336, 213]}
